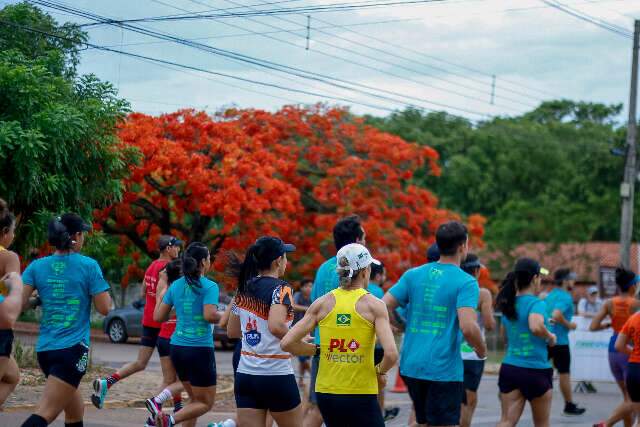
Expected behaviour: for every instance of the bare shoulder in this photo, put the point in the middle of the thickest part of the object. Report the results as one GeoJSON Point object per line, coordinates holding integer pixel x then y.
{"type": "Point", "coordinates": [485, 294]}
{"type": "Point", "coordinates": [375, 304]}
{"type": "Point", "coordinates": [9, 262]}
{"type": "Point", "coordinates": [323, 305]}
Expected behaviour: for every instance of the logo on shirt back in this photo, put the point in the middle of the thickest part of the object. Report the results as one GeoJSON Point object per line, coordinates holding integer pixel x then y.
{"type": "Point", "coordinates": [343, 319]}
{"type": "Point", "coordinates": [252, 336]}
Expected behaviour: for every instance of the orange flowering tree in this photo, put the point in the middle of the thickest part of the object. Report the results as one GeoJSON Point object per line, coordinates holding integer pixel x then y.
{"type": "Point", "coordinates": [229, 178]}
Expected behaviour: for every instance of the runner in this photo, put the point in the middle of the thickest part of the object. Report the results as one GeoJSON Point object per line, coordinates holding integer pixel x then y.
{"type": "Point", "coordinates": [619, 309]}
{"type": "Point", "coordinates": [195, 299]}
{"type": "Point", "coordinates": [560, 310]}
{"type": "Point", "coordinates": [66, 283]}
{"type": "Point", "coordinates": [10, 302]}
{"type": "Point", "coordinates": [261, 316]}
{"type": "Point", "coordinates": [301, 302]}
{"type": "Point", "coordinates": [169, 248]}
{"type": "Point", "coordinates": [433, 253]}
{"type": "Point", "coordinates": [628, 342]}
{"type": "Point", "coordinates": [376, 280]}
{"type": "Point", "coordinates": [171, 387]}
{"type": "Point", "coordinates": [442, 301]}
{"type": "Point", "coordinates": [347, 230]}
{"type": "Point", "coordinates": [349, 319]}
{"type": "Point", "coordinates": [526, 373]}
{"type": "Point", "coordinates": [590, 305]}
{"type": "Point", "coordinates": [474, 364]}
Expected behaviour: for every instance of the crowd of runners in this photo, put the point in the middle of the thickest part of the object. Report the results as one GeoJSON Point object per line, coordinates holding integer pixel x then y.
{"type": "Point", "coordinates": [344, 333]}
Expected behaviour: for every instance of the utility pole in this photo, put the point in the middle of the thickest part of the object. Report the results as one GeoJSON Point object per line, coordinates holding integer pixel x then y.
{"type": "Point", "coordinates": [627, 188]}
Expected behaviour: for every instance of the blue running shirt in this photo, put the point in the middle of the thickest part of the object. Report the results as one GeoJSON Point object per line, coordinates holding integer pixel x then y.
{"type": "Point", "coordinates": [432, 294]}
{"type": "Point", "coordinates": [559, 299]}
{"type": "Point", "coordinates": [523, 348]}
{"type": "Point", "coordinates": [326, 280]}
{"type": "Point", "coordinates": [375, 290]}
{"type": "Point", "coordinates": [66, 284]}
{"type": "Point", "coordinates": [191, 328]}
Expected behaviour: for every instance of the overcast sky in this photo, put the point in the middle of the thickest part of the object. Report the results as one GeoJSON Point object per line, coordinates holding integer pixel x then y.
{"type": "Point", "coordinates": [438, 55]}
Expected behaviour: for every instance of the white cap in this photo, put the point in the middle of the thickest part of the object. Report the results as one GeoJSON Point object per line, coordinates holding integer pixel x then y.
{"type": "Point", "coordinates": [357, 257]}
{"type": "Point", "coordinates": [593, 290]}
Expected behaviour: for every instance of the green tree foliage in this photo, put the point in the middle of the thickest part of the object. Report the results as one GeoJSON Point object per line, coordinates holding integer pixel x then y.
{"type": "Point", "coordinates": [58, 147]}
{"type": "Point", "coordinates": [545, 176]}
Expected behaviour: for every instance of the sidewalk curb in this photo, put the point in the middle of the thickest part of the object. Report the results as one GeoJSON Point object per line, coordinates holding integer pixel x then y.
{"type": "Point", "coordinates": [110, 404]}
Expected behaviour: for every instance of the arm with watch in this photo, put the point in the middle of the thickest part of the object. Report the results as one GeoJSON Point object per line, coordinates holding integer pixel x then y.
{"type": "Point", "coordinates": [597, 322]}
{"type": "Point", "coordinates": [388, 343]}
{"type": "Point", "coordinates": [294, 341]}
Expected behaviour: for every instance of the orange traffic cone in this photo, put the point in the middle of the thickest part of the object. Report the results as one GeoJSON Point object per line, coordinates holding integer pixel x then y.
{"type": "Point", "coordinates": [399, 386]}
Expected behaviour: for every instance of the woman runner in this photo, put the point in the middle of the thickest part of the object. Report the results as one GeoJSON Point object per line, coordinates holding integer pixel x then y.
{"type": "Point", "coordinates": [261, 315]}
{"type": "Point", "coordinates": [195, 300]}
{"type": "Point", "coordinates": [10, 302]}
{"type": "Point", "coordinates": [619, 309]}
{"type": "Point", "coordinates": [66, 283]}
{"type": "Point", "coordinates": [171, 387]}
{"type": "Point", "coordinates": [525, 374]}
{"type": "Point", "coordinates": [628, 342]}
{"type": "Point", "coordinates": [349, 319]}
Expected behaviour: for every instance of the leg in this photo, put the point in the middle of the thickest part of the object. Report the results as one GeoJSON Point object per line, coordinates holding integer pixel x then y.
{"type": "Point", "coordinates": [200, 402]}
{"type": "Point", "coordinates": [269, 420]}
{"type": "Point", "coordinates": [541, 409]}
{"type": "Point", "coordinates": [565, 387]}
{"type": "Point", "coordinates": [74, 411]}
{"type": "Point", "coordinates": [467, 410]}
{"type": "Point", "coordinates": [56, 397]}
{"type": "Point", "coordinates": [313, 417]}
{"type": "Point", "coordinates": [138, 365]}
{"type": "Point", "coordinates": [9, 377]}
{"type": "Point", "coordinates": [249, 417]}
{"type": "Point", "coordinates": [292, 418]}
{"type": "Point", "coordinates": [512, 407]}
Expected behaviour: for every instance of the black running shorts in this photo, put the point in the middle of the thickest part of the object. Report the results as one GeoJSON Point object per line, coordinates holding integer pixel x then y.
{"type": "Point", "coordinates": [436, 403]}
{"type": "Point", "coordinates": [149, 336]}
{"type": "Point", "coordinates": [473, 370]}
{"type": "Point", "coordinates": [532, 383]}
{"type": "Point", "coordinates": [633, 381]}
{"type": "Point", "coordinates": [164, 347]}
{"type": "Point", "coordinates": [67, 364]}
{"type": "Point", "coordinates": [350, 410]}
{"type": "Point", "coordinates": [6, 342]}
{"type": "Point", "coordinates": [276, 393]}
{"type": "Point", "coordinates": [561, 356]}
{"type": "Point", "coordinates": [195, 365]}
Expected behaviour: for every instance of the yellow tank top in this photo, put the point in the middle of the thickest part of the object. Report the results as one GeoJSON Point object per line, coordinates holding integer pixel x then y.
{"type": "Point", "coordinates": [347, 341]}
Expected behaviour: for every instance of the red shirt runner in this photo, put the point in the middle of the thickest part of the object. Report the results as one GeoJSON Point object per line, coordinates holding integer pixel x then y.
{"type": "Point", "coordinates": [151, 277]}
{"type": "Point", "coordinates": [632, 330]}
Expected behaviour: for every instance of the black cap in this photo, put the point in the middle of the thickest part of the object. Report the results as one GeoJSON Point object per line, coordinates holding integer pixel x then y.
{"type": "Point", "coordinates": [563, 274]}
{"type": "Point", "coordinates": [529, 265]}
{"type": "Point", "coordinates": [166, 241]}
{"type": "Point", "coordinates": [433, 253]}
{"type": "Point", "coordinates": [273, 247]}
{"type": "Point", "coordinates": [74, 223]}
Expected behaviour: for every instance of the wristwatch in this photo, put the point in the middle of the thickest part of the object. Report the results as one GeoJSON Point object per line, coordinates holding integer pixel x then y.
{"type": "Point", "coordinates": [317, 354]}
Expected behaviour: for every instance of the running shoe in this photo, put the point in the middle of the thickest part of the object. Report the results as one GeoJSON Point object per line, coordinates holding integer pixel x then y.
{"type": "Point", "coordinates": [572, 410]}
{"type": "Point", "coordinates": [164, 420]}
{"type": "Point", "coordinates": [99, 392]}
{"type": "Point", "coordinates": [150, 422]}
{"type": "Point", "coordinates": [153, 407]}
{"type": "Point", "coordinates": [391, 413]}
{"type": "Point", "coordinates": [600, 424]}
{"type": "Point", "coordinates": [226, 423]}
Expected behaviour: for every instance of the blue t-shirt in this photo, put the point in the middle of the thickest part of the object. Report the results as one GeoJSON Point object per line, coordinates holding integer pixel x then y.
{"type": "Point", "coordinates": [326, 280]}
{"type": "Point", "coordinates": [66, 284]}
{"type": "Point", "coordinates": [375, 290]}
{"type": "Point", "coordinates": [523, 348]}
{"type": "Point", "coordinates": [559, 299]}
{"type": "Point", "coordinates": [1, 298]}
{"type": "Point", "coordinates": [433, 293]}
{"type": "Point", "coordinates": [191, 328]}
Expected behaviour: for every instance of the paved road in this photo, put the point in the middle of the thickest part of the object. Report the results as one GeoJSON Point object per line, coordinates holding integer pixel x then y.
{"type": "Point", "coordinates": [487, 414]}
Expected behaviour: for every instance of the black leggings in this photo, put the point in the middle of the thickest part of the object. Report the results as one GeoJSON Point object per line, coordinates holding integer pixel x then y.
{"type": "Point", "coordinates": [350, 410]}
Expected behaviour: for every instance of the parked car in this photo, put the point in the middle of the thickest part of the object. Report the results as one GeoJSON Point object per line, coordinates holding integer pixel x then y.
{"type": "Point", "coordinates": [126, 322]}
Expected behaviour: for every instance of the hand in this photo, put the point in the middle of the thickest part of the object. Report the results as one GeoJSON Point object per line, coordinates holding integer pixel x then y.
{"type": "Point", "coordinates": [573, 326]}
{"type": "Point", "coordinates": [481, 352]}
{"type": "Point", "coordinates": [551, 341]}
{"type": "Point", "coordinates": [382, 381]}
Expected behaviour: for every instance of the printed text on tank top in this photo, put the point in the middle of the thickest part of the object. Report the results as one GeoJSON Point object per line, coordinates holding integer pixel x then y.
{"type": "Point", "coordinates": [347, 342]}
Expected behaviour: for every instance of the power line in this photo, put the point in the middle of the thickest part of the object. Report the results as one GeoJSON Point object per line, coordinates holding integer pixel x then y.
{"type": "Point", "coordinates": [378, 59]}
{"type": "Point", "coordinates": [590, 19]}
{"type": "Point", "coordinates": [301, 73]}
{"type": "Point", "coordinates": [335, 7]}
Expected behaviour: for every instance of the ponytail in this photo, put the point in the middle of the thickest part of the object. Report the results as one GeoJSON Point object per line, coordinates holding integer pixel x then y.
{"type": "Point", "coordinates": [6, 218]}
{"type": "Point", "coordinates": [58, 235]}
{"type": "Point", "coordinates": [247, 269]}
{"type": "Point", "coordinates": [506, 299]}
{"type": "Point", "coordinates": [174, 270]}
{"type": "Point", "coordinates": [192, 260]}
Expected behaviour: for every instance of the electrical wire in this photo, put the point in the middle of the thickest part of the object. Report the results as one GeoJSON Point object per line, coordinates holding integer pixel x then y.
{"type": "Point", "coordinates": [590, 19]}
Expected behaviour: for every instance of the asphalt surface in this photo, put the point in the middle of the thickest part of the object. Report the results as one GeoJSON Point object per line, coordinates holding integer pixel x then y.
{"type": "Point", "coordinates": [488, 413]}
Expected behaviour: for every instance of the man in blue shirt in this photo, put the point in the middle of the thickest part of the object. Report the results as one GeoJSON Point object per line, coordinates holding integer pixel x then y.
{"type": "Point", "coordinates": [346, 231]}
{"type": "Point", "coordinates": [442, 301]}
{"type": "Point", "coordinates": [560, 310]}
